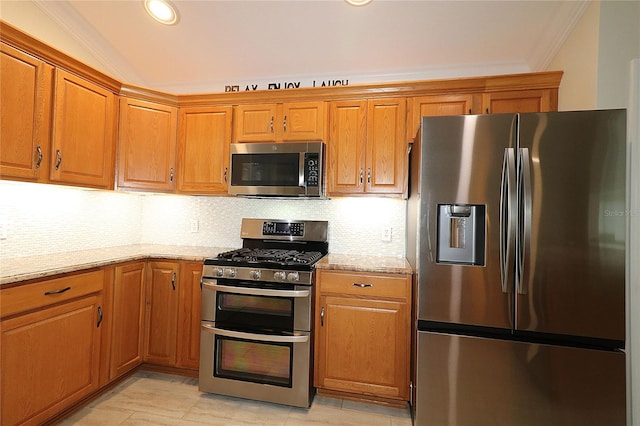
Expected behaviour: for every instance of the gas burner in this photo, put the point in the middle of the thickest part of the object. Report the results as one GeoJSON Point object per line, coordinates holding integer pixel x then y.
{"type": "Point", "coordinates": [275, 256]}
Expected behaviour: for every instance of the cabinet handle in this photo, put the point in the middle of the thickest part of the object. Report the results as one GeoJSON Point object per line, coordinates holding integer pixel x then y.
{"type": "Point", "coordinates": [52, 292]}
{"type": "Point", "coordinates": [361, 176]}
{"type": "Point", "coordinates": [369, 175]}
{"type": "Point", "coordinates": [39, 161]}
{"type": "Point", "coordinates": [99, 316]}
{"type": "Point", "coordinates": [59, 159]}
{"type": "Point", "coordinates": [322, 317]}
{"type": "Point", "coordinates": [469, 111]}
{"type": "Point", "coordinates": [173, 281]}
{"type": "Point", "coordinates": [171, 175]}
{"type": "Point", "coordinates": [226, 172]}
{"type": "Point", "coordinates": [362, 285]}
{"type": "Point", "coordinates": [271, 125]}
{"type": "Point", "coordinates": [284, 123]}
{"type": "Point", "coordinates": [487, 110]}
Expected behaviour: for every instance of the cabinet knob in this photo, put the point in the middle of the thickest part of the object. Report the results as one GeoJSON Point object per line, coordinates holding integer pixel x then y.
{"type": "Point", "coordinates": [361, 176]}
{"type": "Point", "coordinates": [173, 281]}
{"type": "Point", "coordinates": [171, 175]}
{"type": "Point", "coordinates": [322, 317]}
{"type": "Point", "coordinates": [284, 123]}
{"type": "Point", "coordinates": [369, 175]}
{"type": "Point", "coordinates": [226, 173]}
{"type": "Point", "coordinates": [99, 316]}
{"type": "Point", "coordinates": [271, 125]}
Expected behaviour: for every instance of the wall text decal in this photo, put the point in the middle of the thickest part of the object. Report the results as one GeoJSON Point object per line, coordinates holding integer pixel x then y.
{"type": "Point", "coordinates": [285, 85]}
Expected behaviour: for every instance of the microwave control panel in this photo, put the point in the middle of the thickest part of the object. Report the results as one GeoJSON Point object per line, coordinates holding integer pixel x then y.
{"type": "Point", "coordinates": [312, 169]}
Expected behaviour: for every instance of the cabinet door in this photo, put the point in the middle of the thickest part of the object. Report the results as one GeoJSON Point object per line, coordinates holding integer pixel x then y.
{"type": "Point", "coordinates": [189, 315]}
{"type": "Point", "coordinates": [387, 155]}
{"type": "Point", "coordinates": [346, 147]}
{"type": "Point", "coordinates": [25, 96]}
{"type": "Point", "coordinates": [436, 105]}
{"type": "Point", "coordinates": [161, 313]}
{"type": "Point", "coordinates": [519, 101]}
{"type": "Point", "coordinates": [255, 123]}
{"type": "Point", "coordinates": [147, 145]}
{"type": "Point", "coordinates": [84, 129]}
{"type": "Point", "coordinates": [203, 150]}
{"type": "Point", "coordinates": [303, 121]}
{"type": "Point", "coordinates": [364, 347]}
{"type": "Point", "coordinates": [49, 360]}
{"type": "Point", "coordinates": [127, 323]}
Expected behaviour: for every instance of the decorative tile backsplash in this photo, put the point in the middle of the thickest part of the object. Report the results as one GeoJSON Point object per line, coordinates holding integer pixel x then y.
{"type": "Point", "coordinates": [40, 219]}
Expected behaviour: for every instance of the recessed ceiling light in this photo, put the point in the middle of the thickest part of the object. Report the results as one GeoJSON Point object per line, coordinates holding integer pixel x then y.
{"type": "Point", "coordinates": [162, 11]}
{"type": "Point", "coordinates": [358, 2]}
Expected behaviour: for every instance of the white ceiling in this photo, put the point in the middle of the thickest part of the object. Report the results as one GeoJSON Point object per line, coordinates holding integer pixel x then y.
{"type": "Point", "coordinates": [220, 43]}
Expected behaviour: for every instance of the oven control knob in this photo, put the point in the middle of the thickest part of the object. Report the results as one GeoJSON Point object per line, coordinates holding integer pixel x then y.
{"type": "Point", "coordinates": [218, 272]}
{"type": "Point", "coordinates": [279, 276]}
{"type": "Point", "coordinates": [293, 277]}
{"type": "Point", "coordinates": [255, 275]}
{"type": "Point", "coordinates": [230, 273]}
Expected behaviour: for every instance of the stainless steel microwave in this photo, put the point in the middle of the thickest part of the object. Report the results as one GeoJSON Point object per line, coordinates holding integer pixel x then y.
{"type": "Point", "coordinates": [286, 169]}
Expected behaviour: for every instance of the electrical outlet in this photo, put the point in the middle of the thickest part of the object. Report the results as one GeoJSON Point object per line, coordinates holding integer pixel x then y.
{"type": "Point", "coordinates": [195, 225]}
{"type": "Point", "coordinates": [386, 234]}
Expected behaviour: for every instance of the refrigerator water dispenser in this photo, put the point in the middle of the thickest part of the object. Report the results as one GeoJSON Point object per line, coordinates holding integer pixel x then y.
{"type": "Point", "coordinates": [461, 234]}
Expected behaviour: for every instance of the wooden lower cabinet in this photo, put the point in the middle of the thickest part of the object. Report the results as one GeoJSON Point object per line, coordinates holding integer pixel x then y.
{"type": "Point", "coordinates": [161, 313]}
{"type": "Point", "coordinates": [50, 352]}
{"type": "Point", "coordinates": [172, 326]}
{"type": "Point", "coordinates": [363, 335]}
{"type": "Point", "coordinates": [190, 295]}
{"type": "Point", "coordinates": [127, 318]}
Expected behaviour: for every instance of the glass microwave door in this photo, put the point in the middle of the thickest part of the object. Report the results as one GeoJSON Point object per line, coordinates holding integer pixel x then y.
{"type": "Point", "coordinates": [282, 169]}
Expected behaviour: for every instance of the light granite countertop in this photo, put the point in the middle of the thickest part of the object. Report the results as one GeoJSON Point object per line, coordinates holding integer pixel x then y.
{"type": "Point", "coordinates": [364, 263]}
{"type": "Point", "coordinates": [18, 269]}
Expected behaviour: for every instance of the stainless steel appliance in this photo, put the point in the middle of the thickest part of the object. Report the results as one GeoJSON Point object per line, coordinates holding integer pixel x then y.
{"type": "Point", "coordinates": [257, 313]}
{"type": "Point", "coordinates": [277, 169]}
{"type": "Point", "coordinates": [516, 230]}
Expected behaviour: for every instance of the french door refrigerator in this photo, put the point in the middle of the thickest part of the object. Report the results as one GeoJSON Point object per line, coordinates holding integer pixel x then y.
{"type": "Point", "coordinates": [517, 230]}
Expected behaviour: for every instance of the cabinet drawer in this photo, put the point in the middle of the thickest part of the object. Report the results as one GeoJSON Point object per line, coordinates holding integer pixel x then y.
{"type": "Point", "coordinates": [31, 296]}
{"type": "Point", "coordinates": [394, 286]}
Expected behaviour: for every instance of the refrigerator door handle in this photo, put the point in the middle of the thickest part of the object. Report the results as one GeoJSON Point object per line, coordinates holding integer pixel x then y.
{"type": "Point", "coordinates": [508, 196]}
{"type": "Point", "coordinates": [524, 220]}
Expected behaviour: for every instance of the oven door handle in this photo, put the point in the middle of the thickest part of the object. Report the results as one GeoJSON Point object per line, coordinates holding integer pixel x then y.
{"type": "Point", "coordinates": [256, 291]}
{"type": "Point", "coordinates": [252, 336]}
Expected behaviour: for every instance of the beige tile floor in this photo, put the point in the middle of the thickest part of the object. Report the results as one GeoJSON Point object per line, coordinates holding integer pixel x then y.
{"type": "Point", "coordinates": [149, 398]}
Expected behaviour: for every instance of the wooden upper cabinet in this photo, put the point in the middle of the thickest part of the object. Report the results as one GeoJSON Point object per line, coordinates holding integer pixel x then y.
{"type": "Point", "coordinates": [520, 101]}
{"type": "Point", "coordinates": [387, 154]}
{"type": "Point", "coordinates": [204, 136]}
{"type": "Point", "coordinates": [84, 130]}
{"type": "Point", "coordinates": [346, 149]}
{"type": "Point", "coordinates": [437, 105]}
{"type": "Point", "coordinates": [367, 148]}
{"type": "Point", "coordinates": [297, 121]}
{"type": "Point", "coordinates": [147, 146]}
{"type": "Point", "coordinates": [25, 96]}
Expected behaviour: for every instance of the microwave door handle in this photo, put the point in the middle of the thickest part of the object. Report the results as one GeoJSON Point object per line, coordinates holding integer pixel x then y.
{"type": "Point", "coordinates": [256, 291]}
{"type": "Point", "coordinates": [302, 169]}
{"type": "Point", "coordinates": [253, 336]}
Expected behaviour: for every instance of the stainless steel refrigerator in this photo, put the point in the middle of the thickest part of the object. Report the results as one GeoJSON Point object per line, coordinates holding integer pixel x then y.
{"type": "Point", "coordinates": [516, 230]}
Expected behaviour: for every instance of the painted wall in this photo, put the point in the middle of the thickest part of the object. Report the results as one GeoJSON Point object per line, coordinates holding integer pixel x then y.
{"type": "Point", "coordinates": [578, 58]}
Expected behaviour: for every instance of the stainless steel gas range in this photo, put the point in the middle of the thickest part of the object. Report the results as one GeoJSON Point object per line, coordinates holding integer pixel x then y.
{"type": "Point", "coordinates": [257, 313]}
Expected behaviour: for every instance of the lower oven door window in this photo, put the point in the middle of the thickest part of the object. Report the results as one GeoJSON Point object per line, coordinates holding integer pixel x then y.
{"type": "Point", "coordinates": [253, 361]}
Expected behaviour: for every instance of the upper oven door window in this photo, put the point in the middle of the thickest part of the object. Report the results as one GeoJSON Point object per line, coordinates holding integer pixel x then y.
{"type": "Point", "coordinates": [260, 306]}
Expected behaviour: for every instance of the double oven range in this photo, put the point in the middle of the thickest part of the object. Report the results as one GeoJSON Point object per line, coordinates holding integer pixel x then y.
{"type": "Point", "coordinates": [257, 313]}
